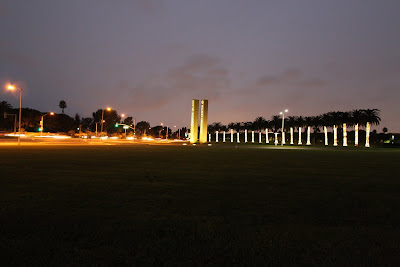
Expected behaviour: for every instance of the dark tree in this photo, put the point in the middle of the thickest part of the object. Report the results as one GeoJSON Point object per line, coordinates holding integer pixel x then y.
{"type": "Point", "coordinates": [62, 105]}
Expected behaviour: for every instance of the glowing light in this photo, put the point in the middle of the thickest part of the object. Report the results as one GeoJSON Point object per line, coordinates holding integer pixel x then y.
{"type": "Point", "coordinates": [299, 142]}
{"type": "Point", "coordinates": [126, 127]}
{"type": "Point", "coordinates": [266, 136]}
{"type": "Point", "coordinates": [108, 109]}
{"type": "Point", "coordinates": [276, 139]}
{"type": "Point", "coordinates": [356, 135]}
{"type": "Point", "coordinates": [10, 87]}
{"type": "Point", "coordinates": [344, 134]}
{"type": "Point", "coordinates": [238, 137]}
{"type": "Point", "coordinates": [252, 136]}
{"type": "Point", "coordinates": [283, 138]}
{"type": "Point", "coordinates": [286, 110]}
{"type": "Point", "coordinates": [291, 135]}
{"type": "Point", "coordinates": [308, 136]}
{"type": "Point", "coordinates": [114, 137]}
{"type": "Point", "coordinates": [334, 135]}
{"type": "Point", "coordinates": [51, 113]}
{"type": "Point", "coordinates": [122, 115]}
{"type": "Point", "coordinates": [203, 121]}
{"type": "Point", "coordinates": [245, 136]}
{"type": "Point", "coordinates": [216, 136]}
{"type": "Point", "coordinates": [209, 137]}
{"type": "Point", "coordinates": [326, 135]}
{"type": "Point", "coordinates": [231, 135]}
{"type": "Point", "coordinates": [194, 122]}
{"type": "Point", "coordinates": [368, 129]}
{"type": "Point", "coordinates": [260, 137]}
{"type": "Point", "coordinates": [223, 137]}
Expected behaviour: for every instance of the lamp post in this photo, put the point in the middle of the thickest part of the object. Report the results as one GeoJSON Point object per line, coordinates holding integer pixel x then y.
{"type": "Point", "coordinates": [41, 122]}
{"type": "Point", "coordinates": [102, 119]}
{"type": "Point", "coordinates": [283, 126]}
{"type": "Point", "coordinates": [12, 87]}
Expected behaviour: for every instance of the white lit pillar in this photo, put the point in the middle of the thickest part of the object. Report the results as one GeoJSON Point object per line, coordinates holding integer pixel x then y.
{"type": "Point", "coordinates": [259, 137]}
{"type": "Point", "coordinates": [299, 142]}
{"type": "Point", "coordinates": [291, 135]}
{"type": "Point", "coordinates": [283, 138]}
{"type": "Point", "coordinates": [367, 135]}
{"type": "Point", "coordinates": [209, 137]}
{"type": "Point", "coordinates": [276, 139]}
{"type": "Point", "coordinates": [266, 136]}
{"type": "Point", "coordinates": [223, 137]}
{"type": "Point", "coordinates": [308, 136]}
{"type": "Point", "coordinates": [356, 135]}
{"type": "Point", "coordinates": [334, 135]}
{"type": "Point", "coordinates": [326, 135]}
{"type": "Point", "coordinates": [344, 135]}
{"type": "Point", "coordinates": [231, 135]}
{"type": "Point", "coordinates": [245, 136]}
{"type": "Point", "coordinates": [252, 136]}
{"type": "Point", "coordinates": [238, 137]}
{"type": "Point", "coordinates": [216, 137]}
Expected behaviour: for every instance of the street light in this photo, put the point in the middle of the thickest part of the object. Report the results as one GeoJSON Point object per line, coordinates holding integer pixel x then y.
{"type": "Point", "coordinates": [102, 118]}
{"type": "Point", "coordinates": [41, 122]}
{"type": "Point", "coordinates": [283, 125]}
{"type": "Point", "coordinates": [12, 87]}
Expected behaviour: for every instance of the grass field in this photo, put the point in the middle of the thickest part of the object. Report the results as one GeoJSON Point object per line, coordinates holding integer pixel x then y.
{"type": "Point", "coordinates": [185, 205]}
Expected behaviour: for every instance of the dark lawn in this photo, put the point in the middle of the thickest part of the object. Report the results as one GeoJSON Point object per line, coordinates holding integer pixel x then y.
{"type": "Point", "coordinates": [80, 205]}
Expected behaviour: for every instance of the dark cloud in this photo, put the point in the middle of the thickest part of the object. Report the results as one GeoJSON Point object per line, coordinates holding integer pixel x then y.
{"type": "Point", "coordinates": [288, 75]}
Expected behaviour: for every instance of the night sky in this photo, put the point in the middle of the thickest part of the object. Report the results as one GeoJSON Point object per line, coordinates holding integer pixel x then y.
{"type": "Point", "coordinates": [149, 58]}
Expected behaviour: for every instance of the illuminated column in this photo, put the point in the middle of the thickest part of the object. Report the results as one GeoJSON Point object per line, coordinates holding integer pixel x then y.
{"type": "Point", "coordinates": [367, 135]}
{"type": "Point", "coordinates": [216, 137]}
{"type": "Point", "coordinates": [276, 139]}
{"type": "Point", "coordinates": [245, 136]}
{"type": "Point", "coordinates": [223, 137]}
{"type": "Point", "coordinates": [291, 135]}
{"type": "Point", "coordinates": [252, 136]}
{"type": "Point", "coordinates": [356, 135]}
{"type": "Point", "coordinates": [283, 138]}
{"type": "Point", "coordinates": [300, 142]}
{"type": "Point", "coordinates": [334, 135]}
{"type": "Point", "coordinates": [238, 137]}
{"type": "Point", "coordinates": [266, 136]}
{"type": "Point", "coordinates": [194, 121]}
{"type": "Point", "coordinates": [344, 135]}
{"type": "Point", "coordinates": [308, 136]}
{"type": "Point", "coordinates": [326, 135]}
{"type": "Point", "coordinates": [231, 135]}
{"type": "Point", "coordinates": [259, 137]}
{"type": "Point", "coordinates": [203, 121]}
{"type": "Point", "coordinates": [209, 137]}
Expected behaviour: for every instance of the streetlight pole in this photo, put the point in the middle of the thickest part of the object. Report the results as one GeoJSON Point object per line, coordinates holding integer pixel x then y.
{"type": "Point", "coordinates": [102, 119]}
{"type": "Point", "coordinates": [283, 127]}
{"type": "Point", "coordinates": [12, 87]}
{"type": "Point", "coordinates": [41, 122]}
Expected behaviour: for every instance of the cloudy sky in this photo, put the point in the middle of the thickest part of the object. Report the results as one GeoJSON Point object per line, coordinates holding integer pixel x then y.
{"type": "Point", "coordinates": [149, 58]}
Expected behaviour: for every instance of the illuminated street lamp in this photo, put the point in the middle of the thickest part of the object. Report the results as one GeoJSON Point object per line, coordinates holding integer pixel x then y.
{"type": "Point", "coordinates": [41, 122]}
{"type": "Point", "coordinates": [283, 125]}
{"type": "Point", "coordinates": [102, 118]}
{"type": "Point", "coordinates": [12, 87]}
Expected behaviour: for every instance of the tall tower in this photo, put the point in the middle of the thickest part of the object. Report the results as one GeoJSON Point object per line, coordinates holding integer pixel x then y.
{"type": "Point", "coordinates": [194, 125]}
{"type": "Point", "coordinates": [203, 121]}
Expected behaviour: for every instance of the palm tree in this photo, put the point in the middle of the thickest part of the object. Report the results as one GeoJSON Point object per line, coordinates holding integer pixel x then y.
{"type": "Point", "coordinates": [300, 123]}
{"type": "Point", "coordinates": [371, 116]}
{"type": "Point", "coordinates": [62, 105]}
{"type": "Point", "coordinates": [356, 119]}
{"type": "Point", "coordinates": [276, 122]}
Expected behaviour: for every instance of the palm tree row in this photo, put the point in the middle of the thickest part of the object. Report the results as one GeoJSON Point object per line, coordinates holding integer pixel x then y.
{"type": "Point", "coordinates": [336, 120]}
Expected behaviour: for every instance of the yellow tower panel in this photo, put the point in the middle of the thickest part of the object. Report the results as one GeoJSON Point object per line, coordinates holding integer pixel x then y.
{"type": "Point", "coordinates": [194, 125]}
{"type": "Point", "coordinates": [203, 121]}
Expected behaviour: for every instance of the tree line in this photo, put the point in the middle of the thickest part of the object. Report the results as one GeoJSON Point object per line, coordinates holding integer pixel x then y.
{"type": "Point", "coordinates": [61, 122]}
